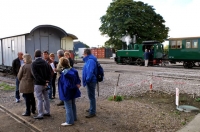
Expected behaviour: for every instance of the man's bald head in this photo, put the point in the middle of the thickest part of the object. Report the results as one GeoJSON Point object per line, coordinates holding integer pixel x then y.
{"type": "Point", "coordinates": [20, 54]}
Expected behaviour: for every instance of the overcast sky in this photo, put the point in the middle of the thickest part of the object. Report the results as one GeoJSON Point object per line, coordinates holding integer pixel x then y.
{"type": "Point", "coordinates": [82, 17]}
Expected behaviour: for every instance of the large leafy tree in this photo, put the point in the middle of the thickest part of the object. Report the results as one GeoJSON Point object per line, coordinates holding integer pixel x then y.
{"type": "Point", "coordinates": [134, 18]}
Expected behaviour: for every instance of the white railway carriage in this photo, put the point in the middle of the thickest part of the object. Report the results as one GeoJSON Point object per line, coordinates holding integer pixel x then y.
{"type": "Point", "coordinates": [44, 37]}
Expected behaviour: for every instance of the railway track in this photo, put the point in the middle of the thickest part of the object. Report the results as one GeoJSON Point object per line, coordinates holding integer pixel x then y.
{"type": "Point", "coordinates": [15, 118]}
{"type": "Point", "coordinates": [149, 73]}
{"type": "Point", "coordinates": [10, 79]}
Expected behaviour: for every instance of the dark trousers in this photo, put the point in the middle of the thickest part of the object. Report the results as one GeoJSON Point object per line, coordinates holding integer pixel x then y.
{"type": "Point", "coordinates": [50, 90]}
{"type": "Point", "coordinates": [17, 95]}
{"type": "Point", "coordinates": [54, 84]}
{"type": "Point", "coordinates": [30, 102]}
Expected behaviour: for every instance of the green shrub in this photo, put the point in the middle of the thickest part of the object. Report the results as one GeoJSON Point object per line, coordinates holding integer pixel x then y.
{"type": "Point", "coordinates": [197, 99]}
{"type": "Point", "coordinates": [118, 98]}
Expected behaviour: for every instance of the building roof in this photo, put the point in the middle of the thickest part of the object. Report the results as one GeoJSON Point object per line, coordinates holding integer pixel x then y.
{"type": "Point", "coordinates": [72, 36]}
{"type": "Point", "coordinates": [64, 33]}
{"type": "Point", "coordinates": [185, 38]}
{"type": "Point", "coordinates": [51, 26]}
{"type": "Point", "coordinates": [14, 36]}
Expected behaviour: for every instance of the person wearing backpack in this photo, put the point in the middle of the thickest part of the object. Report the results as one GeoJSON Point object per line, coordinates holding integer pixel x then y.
{"type": "Point", "coordinates": [68, 87]}
{"type": "Point", "coordinates": [89, 79]}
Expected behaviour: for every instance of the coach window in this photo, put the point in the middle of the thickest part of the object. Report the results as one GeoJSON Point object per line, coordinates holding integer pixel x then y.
{"type": "Point", "coordinates": [188, 44]}
{"type": "Point", "coordinates": [195, 43]}
{"type": "Point", "coordinates": [12, 45]}
{"type": "Point", "coordinates": [179, 44]}
{"type": "Point", "coordinates": [173, 44]}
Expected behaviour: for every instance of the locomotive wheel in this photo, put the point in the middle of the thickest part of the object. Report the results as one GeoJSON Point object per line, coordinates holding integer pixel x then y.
{"type": "Point", "coordinates": [139, 62]}
{"type": "Point", "coordinates": [188, 64]}
{"type": "Point", "coordinates": [128, 61]}
{"type": "Point", "coordinates": [124, 61]}
{"type": "Point", "coordinates": [185, 64]}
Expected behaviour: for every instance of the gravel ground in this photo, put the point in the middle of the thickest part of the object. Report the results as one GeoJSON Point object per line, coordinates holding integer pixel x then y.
{"type": "Point", "coordinates": [141, 111]}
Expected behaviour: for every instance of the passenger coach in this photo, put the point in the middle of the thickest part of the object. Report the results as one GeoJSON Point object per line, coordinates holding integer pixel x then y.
{"type": "Point", "coordinates": [43, 37]}
{"type": "Point", "coordinates": [186, 50]}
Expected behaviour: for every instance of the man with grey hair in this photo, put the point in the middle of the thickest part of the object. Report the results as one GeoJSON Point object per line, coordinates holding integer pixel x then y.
{"type": "Point", "coordinates": [41, 70]}
{"type": "Point", "coordinates": [58, 69]}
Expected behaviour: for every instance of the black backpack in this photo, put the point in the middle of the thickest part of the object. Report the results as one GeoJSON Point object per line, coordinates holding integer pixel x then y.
{"type": "Point", "coordinates": [100, 72]}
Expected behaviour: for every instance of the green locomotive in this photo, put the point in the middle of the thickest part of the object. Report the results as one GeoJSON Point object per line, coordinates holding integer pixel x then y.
{"type": "Point", "coordinates": [186, 50]}
{"type": "Point", "coordinates": [135, 53]}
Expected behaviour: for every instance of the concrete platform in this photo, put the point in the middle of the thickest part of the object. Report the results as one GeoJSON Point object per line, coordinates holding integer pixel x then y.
{"type": "Point", "coordinates": [193, 126]}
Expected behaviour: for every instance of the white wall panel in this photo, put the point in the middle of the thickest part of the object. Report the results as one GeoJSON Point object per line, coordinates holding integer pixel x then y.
{"type": "Point", "coordinates": [9, 54]}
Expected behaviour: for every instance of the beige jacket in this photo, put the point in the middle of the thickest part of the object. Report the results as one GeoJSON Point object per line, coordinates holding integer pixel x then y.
{"type": "Point", "coordinates": [25, 77]}
{"type": "Point", "coordinates": [59, 68]}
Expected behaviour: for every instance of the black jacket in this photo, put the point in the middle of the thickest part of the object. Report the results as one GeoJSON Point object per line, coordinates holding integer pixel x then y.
{"type": "Point", "coordinates": [71, 62]}
{"type": "Point", "coordinates": [41, 71]}
{"type": "Point", "coordinates": [16, 66]}
{"type": "Point", "coordinates": [55, 63]}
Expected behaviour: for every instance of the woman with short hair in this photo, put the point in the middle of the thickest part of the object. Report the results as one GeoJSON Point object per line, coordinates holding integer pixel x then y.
{"type": "Point", "coordinates": [26, 85]}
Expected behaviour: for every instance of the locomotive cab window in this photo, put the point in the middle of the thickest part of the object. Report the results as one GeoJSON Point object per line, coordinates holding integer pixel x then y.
{"type": "Point", "coordinates": [179, 44]}
{"type": "Point", "coordinates": [173, 44]}
{"type": "Point", "coordinates": [188, 44]}
{"type": "Point", "coordinates": [195, 43]}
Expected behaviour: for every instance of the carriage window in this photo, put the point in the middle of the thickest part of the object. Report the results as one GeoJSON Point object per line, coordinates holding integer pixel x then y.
{"type": "Point", "coordinates": [195, 43]}
{"type": "Point", "coordinates": [12, 45]}
{"type": "Point", "coordinates": [173, 44]}
{"type": "Point", "coordinates": [179, 44]}
{"type": "Point", "coordinates": [188, 44]}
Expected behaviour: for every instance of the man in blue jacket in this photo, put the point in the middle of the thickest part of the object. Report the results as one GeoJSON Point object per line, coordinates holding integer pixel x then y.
{"type": "Point", "coordinates": [89, 80]}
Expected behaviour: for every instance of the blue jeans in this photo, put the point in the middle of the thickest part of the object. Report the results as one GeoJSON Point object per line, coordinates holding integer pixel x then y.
{"type": "Point", "coordinates": [91, 95]}
{"type": "Point", "coordinates": [70, 108]}
{"type": "Point", "coordinates": [17, 95]}
{"type": "Point", "coordinates": [50, 90]}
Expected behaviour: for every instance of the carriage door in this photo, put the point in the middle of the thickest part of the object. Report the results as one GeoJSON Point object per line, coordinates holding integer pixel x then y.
{"type": "Point", "coordinates": [44, 43]}
{"type": "Point", "coordinates": [44, 39]}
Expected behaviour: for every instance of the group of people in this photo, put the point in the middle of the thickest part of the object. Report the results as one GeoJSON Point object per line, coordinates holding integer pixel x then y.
{"type": "Point", "coordinates": [39, 77]}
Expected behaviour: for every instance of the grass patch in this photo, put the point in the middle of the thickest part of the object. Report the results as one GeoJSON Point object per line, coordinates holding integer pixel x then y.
{"type": "Point", "coordinates": [183, 123]}
{"type": "Point", "coordinates": [6, 87]}
{"type": "Point", "coordinates": [197, 99]}
{"type": "Point", "coordinates": [118, 98]}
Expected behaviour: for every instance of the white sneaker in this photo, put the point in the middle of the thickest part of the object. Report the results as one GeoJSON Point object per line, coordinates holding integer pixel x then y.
{"type": "Point", "coordinates": [17, 100]}
{"type": "Point", "coordinates": [65, 124]}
